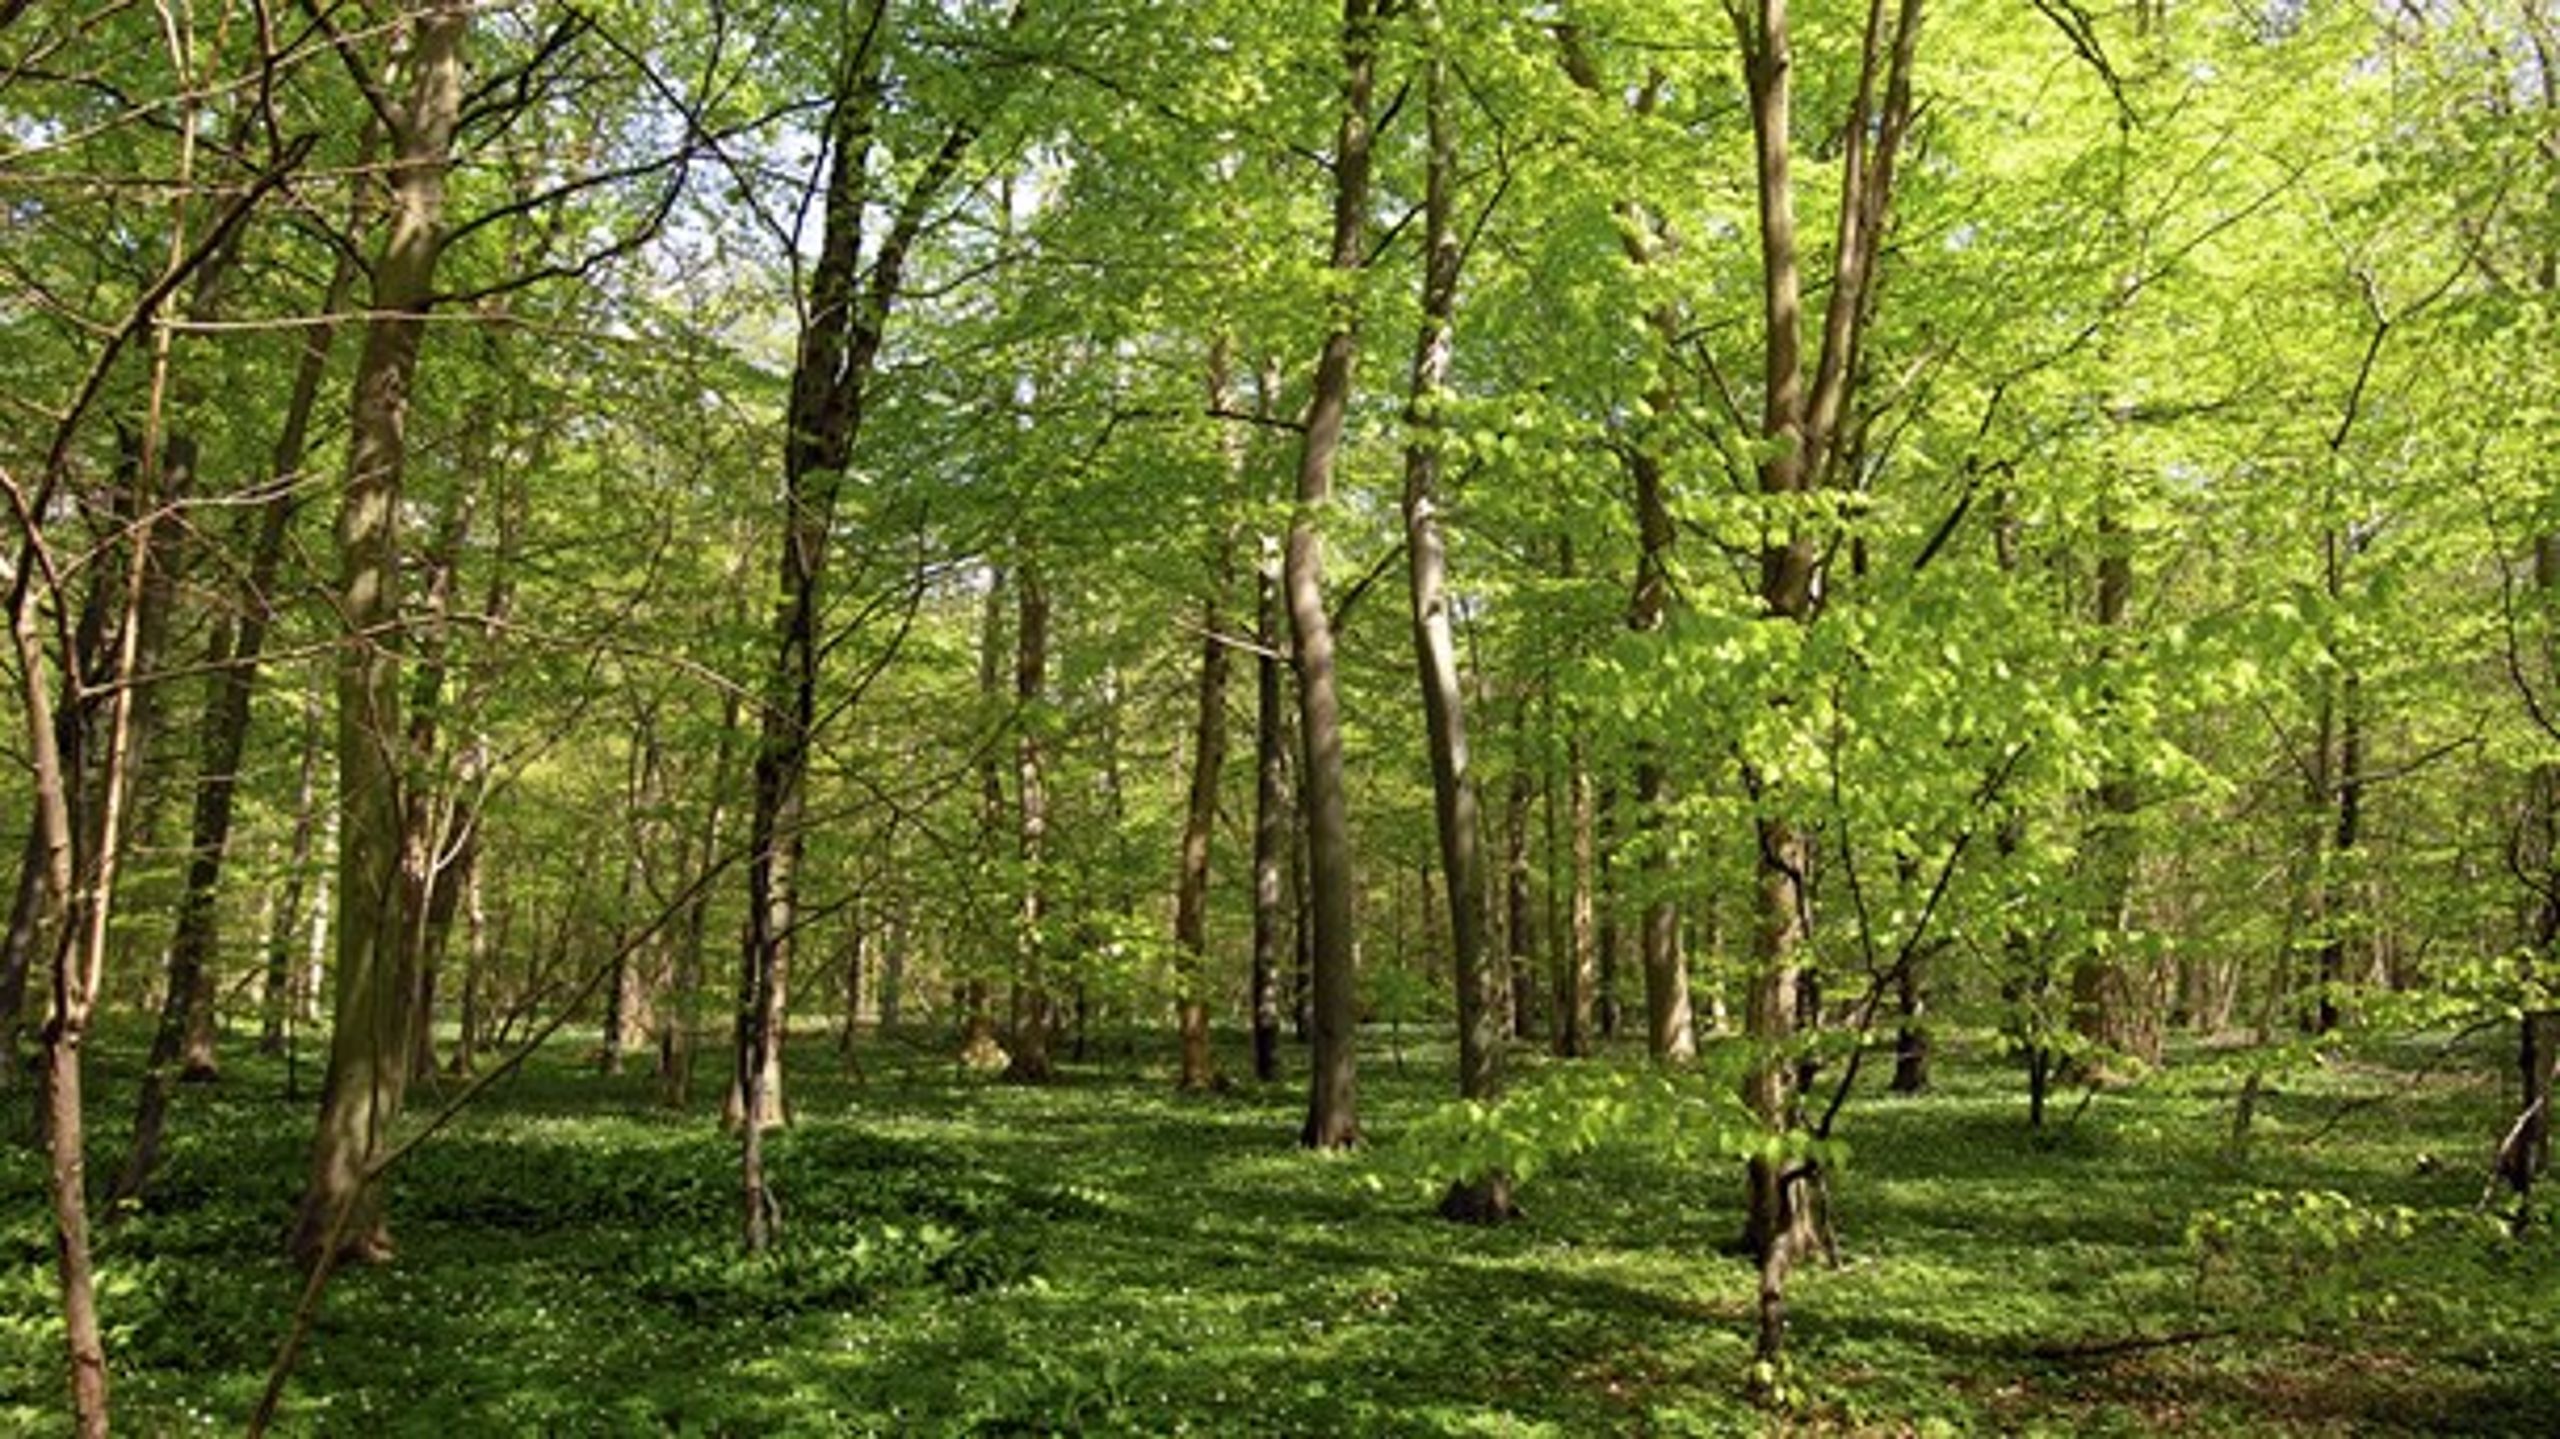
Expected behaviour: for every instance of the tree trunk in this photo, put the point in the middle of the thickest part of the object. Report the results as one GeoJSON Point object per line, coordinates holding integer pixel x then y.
{"type": "Point", "coordinates": [839, 343]}
{"type": "Point", "coordinates": [1483, 1198]}
{"type": "Point", "coordinates": [2349, 800]}
{"type": "Point", "coordinates": [978, 1047]}
{"type": "Point", "coordinates": [1208, 757]}
{"type": "Point", "coordinates": [1798, 424]}
{"type": "Point", "coordinates": [1271, 827]}
{"type": "Point", "coordinates": [370, 1042]}
{"type": "Point", "coordinates": [187, 1020]}
{"type": "Point", "coordinates": [1774, 1226]}
{"type": "Point", "coordinates": [1609, 1012]}
{"type": "Point", "coordinates": [893, 968]}
{"type": "Point", "coordinates": [1518, 925]}
{"type": "Point", "coordinates": [1332, 1108]}
{"type": "Point", "coordinates": [2103, 1003]}
{"type": "Point", "coordinates": [1032, 1005]}
{"type": "Point", "coordinates": [676, 1038]}
{"type": "Point", "coordinates": [86, 679]}
{"type": "Point", "coordinates": [2526, 1152]}
{"type": "Point", "coordinates": [1576, 1016]}
{"type": "Point", "coordinates": [277, 1004]}
{"type": "Point", "coordinates": [1911, 1038]}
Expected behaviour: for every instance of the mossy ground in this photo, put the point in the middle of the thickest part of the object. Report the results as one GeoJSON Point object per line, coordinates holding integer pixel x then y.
{"type": "Point", "coordinates": [1105, 1255]}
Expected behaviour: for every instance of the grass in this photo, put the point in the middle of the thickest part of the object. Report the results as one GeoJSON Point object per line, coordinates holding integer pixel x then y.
{"type": "Point", "coordinates": [1104, 1255]}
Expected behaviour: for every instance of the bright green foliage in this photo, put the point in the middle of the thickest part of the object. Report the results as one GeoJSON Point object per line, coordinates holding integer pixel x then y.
{"type": "Point", "coordinates": [2251, 304]}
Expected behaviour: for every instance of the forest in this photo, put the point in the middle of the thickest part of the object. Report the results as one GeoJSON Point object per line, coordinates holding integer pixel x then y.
{"type": "Point", "coordinates": [1182, 716]}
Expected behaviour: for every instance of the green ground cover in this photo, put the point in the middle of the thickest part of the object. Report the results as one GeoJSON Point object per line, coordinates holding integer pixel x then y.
{"type": "Point", "coordinates": [1104, 1255]}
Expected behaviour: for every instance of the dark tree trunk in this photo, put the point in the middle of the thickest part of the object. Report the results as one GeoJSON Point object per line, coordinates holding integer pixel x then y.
{"type": "Point", "coordinates": [978, 1047]}
{"type": "Point", "coordinates": [277, 1004]}
{"type": "Point", "coordinates": [2103, 1003]}
{"type": "Point", "coordinates": [2344, 840]}
{"type": "Point", "coordinates": [1271, 826]}
{"type": "Point", "coordinates": [1208, 759]}
{"type": "Point", "coordinates": [1911, 1038]}
{"type": "Point", "coordinates": [676, 1038]}
{"type": "Point", "coordinates": [2526, 1151]}
{"type": "Point", "coordinates": [840, 340]}
{"type": "Point", "coordinates": [1609, 1011]}
{"type": "Point", "coordinates": [1518, 924]}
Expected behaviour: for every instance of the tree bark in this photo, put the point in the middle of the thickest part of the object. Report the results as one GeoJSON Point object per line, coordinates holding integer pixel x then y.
{"type": "Point", "coordinates": [2102, 998]}
{"type": "Point", "coordinates": [1798, 425]}
{"type": "Point", "coordinates": [676, 1038]}
{"type": "Point", "coordinates": [2526, 1153]}
{"type": "Point", "coordinates": [1576, 1016]}
{"type": "Point", "coordinates": [1271, 828]}
{"type": "Point", "coordinates": [978, 1047]}
{"type": "Point", "coordinates": [1518, 924]}
{"type": "Point", "coordinates": [1208, 758]}
{"type": "Point", "coordinates": [1332, 1106]}
{"type": "Point", "coordinates": [371, 1038]}
{"type": "Point", "coordinates": [1481, 1198]}
{"type": "Point", "coordinates": [1033, 1018]}
{"type": "Point", "coordinates": [276, 1005]}
{"type": "Point", "coordinates": [840, 341]}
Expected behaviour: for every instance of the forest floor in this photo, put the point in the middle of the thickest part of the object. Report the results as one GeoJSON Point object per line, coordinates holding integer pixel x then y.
{"type": "Point", "coordinates": [1104, 1255]}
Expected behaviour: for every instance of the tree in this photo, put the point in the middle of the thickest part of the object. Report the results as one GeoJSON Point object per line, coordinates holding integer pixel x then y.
{"type": "Point", "coordinates": [1476, 1198]}
{"type": "Point", "coordinates": [1332, 1109]}
{"type": "Point", "coordinates": [419, 101]}
{"type": "Point", "coordinates": [1800, 425]}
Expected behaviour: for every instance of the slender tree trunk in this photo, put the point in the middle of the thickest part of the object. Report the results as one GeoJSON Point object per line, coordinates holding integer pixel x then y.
{"type": "Point", "coordinates": [620, 982]}
{"type": "Point", "coordinates": [1518, 926]}
{"type": "Point", "coordinates": [1776, 1211]}
{"type": "Point", "coordinates": [2349, 833]}
{"type": "Point", "coordinates": [2102, 998]}
{"type": "Point", "coordinates": [465, 1058]}
{"type": "Point", "coordinates": [1033, 1006]}
{"type": "Point", "coordinates": [1576, 1018]}
{"type": "Point", "coordinates": [839, 343]}
{"type": "Point", "coordinates": [72, 720]}
{"type": "Point", "coordinates": [1332, 1106]}
{"type": "Point", "coordinates": [860, 961]}
{"type": "Point", "coordinates": [187, 1020]}
{"type": "Point", "coordinates": [1799, 423]}
{"type": "Point", "coordinates": [978, 1047]}
{"type": "Point", "coordinates": [1476, 1198]}
{"type": "Point", "coordinates": [1610, 1012]}
{"type": "Point", "coordinates": [54, 752]}
{"type": "Point", "coordinates": [74, 716]}
{"type": "Point", "coordinates": [370, 1042]}
{"type": "Point", "coordinates": [278, 1002]}
{"type": "Point", "coordinates": [893, 967]}
{"type": "Point", "coordinates": [1911, 1038]}
{"type": "Point", "coordinates": [1670, 1030]}
{"type": "Point", "coordinates": [82, 837]}
{"type": "Point", "coordinates": [2526, 1152]}
{"type": "Point", "coordinates": [1271, 827]}
{"type": "Point", "coordinates": [1208, 758]}
{"type": "Point", "coordinates": [676, 1038]}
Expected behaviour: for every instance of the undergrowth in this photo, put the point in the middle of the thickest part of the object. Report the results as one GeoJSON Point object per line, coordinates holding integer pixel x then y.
{"type": "Point", "coordinates": [1105, 1255]}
